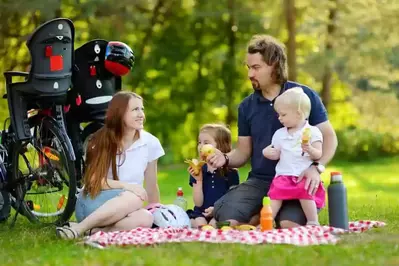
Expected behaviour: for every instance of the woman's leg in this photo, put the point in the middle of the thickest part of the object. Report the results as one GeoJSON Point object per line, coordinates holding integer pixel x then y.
{"type": "Point", "coordinates": [111, 212]}
{"type": "Point", "coordinates": [310, 210]}
{"type": "Point", "coordinates": [139, 218]}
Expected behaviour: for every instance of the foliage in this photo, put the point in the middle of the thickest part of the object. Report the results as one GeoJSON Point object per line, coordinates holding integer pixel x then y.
{"type": "Point", "coordinates": [190, 54]}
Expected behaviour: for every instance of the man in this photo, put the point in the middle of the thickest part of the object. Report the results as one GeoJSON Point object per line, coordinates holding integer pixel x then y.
{"type": "Point", "coordinates": [257, 122]}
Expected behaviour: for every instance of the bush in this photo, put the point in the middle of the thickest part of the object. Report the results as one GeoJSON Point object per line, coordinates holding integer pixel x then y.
{"type": "Point", "coordinates": [356, 144]}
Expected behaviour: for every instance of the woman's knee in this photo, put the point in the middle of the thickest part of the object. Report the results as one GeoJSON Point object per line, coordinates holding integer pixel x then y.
{"type": "Point", "coordinates": [145, 217]}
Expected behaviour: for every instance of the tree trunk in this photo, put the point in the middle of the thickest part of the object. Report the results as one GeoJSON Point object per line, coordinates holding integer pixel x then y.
{"type": "Point", "coordinates": [230, 67]}
{"type": "Point", "coordinates": [290, 15]}
{"type": "Point", "coordinates": [147, 37]}
{"type": "Point", "coordinates": [328, 68]}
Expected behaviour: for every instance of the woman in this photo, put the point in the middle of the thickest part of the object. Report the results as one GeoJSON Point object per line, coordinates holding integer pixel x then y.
{"type": "Point", "coordinates": [120, 157]}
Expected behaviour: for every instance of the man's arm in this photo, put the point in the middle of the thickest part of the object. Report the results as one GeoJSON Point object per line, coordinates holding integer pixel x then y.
{"type": "Point", "coordinates": [330, 142]}
{"type": "Point", "coordinates": [236, 158]}
{"type": "Point", "coordinates": [240, 155]}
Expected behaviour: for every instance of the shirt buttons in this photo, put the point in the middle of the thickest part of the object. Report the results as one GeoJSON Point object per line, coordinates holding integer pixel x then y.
{"type": "Point", "coordinates": [271, 104]}
{"type": "Point", "coordinates": [213, 186]}
{"type": "Point", "coordinates": [213, 181]}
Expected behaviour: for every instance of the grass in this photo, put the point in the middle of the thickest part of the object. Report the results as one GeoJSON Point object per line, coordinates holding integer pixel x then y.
{"type": "Point", "coordinates": [372, 193]}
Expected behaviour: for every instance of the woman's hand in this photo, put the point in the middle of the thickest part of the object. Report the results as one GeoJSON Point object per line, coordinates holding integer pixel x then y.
{"type": "Point", "coordinates": [197, 177]}
{"type": "Point", "coordinates": [138, 190]}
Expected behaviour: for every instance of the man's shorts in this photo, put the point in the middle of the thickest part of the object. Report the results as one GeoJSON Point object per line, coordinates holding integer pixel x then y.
{"type": "Point", "coordinates": [244, 201]}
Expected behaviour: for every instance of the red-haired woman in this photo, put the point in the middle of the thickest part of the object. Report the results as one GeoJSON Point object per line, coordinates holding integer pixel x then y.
{"type": "Point", "coordinates": [121, 156]}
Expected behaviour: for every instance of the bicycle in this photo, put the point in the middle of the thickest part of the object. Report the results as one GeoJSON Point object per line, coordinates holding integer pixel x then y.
{"type": "Point", "coordinates": [38, 157]}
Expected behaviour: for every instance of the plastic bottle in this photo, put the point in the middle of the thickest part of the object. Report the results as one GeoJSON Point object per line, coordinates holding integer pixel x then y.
{"type": "Point", "coordinates": [266, 216]}
{"type": "Point", "coordinates": [180, 201]}
{"type": "Point", "coordinates": [337, 202]}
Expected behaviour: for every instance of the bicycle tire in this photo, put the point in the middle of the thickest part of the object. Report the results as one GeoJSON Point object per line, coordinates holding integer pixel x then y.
{"type": "Point", "coordinates": [85, 134]}
{"type": "Point", "coordinates": [51, 125]}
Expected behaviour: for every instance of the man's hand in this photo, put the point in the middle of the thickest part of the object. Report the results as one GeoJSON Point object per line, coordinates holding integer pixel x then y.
{"type": "Point", "coordinates": [312, 179]}
{"type": "Point", "coordinates": [216, 160]}
{"type": "Point", "coordinates": [197, 177]}
{"type": "Point", "coordinates": [208, 212]}
{"type": "Point", "coordinates": [271, 153]}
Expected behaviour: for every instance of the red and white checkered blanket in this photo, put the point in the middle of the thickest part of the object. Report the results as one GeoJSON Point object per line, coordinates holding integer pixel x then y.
{"type": "Point", "coordinates": [301, 236]}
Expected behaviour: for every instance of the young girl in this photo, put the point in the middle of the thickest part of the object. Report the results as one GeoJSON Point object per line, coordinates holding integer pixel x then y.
{"type": "Point", "coordinates": [295, 154]}
{"type": "Point", "coordinates": [211, 184]}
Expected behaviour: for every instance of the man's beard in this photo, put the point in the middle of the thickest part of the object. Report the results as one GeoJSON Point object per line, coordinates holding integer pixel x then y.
{"type": "Point", "coordinates": [255, 85]}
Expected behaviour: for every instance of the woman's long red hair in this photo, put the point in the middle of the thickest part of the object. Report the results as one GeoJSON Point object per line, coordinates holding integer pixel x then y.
{"type": "Point", "coordinates": [105, 144]}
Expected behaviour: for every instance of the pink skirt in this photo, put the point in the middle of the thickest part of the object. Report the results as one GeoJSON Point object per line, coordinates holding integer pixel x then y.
{"type": "Point", "coordinates": [285, 188]}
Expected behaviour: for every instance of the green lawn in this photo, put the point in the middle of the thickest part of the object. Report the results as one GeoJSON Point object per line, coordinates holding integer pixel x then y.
{"type": "Point", "coordinates": [373, 190]}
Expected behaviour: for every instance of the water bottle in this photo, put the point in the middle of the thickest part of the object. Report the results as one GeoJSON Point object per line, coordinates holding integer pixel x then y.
{"type": "Point", "coordinates": [337, 202]}
{"type": "Point", "coordinates": [180, 201]}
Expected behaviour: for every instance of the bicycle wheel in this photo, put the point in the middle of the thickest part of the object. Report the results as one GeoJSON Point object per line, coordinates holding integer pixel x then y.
{"type": "Point", "coordinates": [44, 174]}
{"type": "Point", "coordinates": [87, 133]}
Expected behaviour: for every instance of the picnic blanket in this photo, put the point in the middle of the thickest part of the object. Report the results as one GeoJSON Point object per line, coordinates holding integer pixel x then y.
{"type": "Point", "coordinates": [300, 236]}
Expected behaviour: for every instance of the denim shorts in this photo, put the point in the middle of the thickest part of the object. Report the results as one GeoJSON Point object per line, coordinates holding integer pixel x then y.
{"type": "Point", "coordinates": [85, 205]}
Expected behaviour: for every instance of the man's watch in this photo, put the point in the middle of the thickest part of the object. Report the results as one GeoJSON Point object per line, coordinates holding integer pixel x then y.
{"type": "Point", "coordinates": [226, 164]}
{"type": "Point", "coordinates": [320, 168]}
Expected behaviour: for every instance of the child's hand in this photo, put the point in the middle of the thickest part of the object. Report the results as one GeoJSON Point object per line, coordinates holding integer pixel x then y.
{"type": "Point", "coordinates": [271, 153]}
{"type": "Point", "coordinates": [306, 147]}
{"type": "Point", "coordinates": [197, 176]}
{"type": "Point", "coordinates": [208, 212]}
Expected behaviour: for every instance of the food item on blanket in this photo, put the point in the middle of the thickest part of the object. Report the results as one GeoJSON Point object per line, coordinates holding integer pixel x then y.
{"type": "Point", "coordinates": [219, 225]}
{"type": "Point", "coordinates": [245, 227]}
{"type": "Point", "coordinates": [226, 228]}
{"type": "Point", "coordinates": [196, 165]}
{"type": "Point", "coordinates": [206, 150]}
{"type": "Point", "coordinates": [207, 227]}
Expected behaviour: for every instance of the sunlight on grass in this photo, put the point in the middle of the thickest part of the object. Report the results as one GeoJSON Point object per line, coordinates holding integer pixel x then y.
{"type": "Point", "coordinates": [372, 195]}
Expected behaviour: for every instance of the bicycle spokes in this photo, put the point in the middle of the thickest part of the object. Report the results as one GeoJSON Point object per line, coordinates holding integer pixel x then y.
{"type": "Point", "coordinates": [41, 163]}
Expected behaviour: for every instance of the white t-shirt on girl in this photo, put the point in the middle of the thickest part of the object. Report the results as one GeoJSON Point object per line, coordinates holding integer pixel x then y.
{"type": "Point", "coordinates": [291, 162]}
{"type": "Point", "coordinates": [131, 167]}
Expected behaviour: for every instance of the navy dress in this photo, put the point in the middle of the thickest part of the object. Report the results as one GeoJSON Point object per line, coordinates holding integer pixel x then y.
{"type": "Point", "coordinates": [214, 186]}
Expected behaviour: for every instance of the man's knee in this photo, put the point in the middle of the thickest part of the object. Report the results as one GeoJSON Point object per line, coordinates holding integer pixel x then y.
{"type": "Point", "coordinates": [288, 224]}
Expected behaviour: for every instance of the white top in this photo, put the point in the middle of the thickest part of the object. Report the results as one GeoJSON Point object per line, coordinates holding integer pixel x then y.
{"type": "Point", "coordinates": [291, 160]}
{"type": "Point", "coordinates": [130, 168]}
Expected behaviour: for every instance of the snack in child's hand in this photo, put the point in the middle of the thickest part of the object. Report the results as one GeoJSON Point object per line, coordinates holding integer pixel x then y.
{"type": "Point", "coordinates": [196, 165]}
{"type": "Point", "coordinates": [206, 150]}
{"type": "Point", "coordinates": [306, 135]}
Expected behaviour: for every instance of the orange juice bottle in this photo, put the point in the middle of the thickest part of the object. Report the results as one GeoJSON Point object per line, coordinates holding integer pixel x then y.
{"type": "Point", "coordinates": [266, 216]}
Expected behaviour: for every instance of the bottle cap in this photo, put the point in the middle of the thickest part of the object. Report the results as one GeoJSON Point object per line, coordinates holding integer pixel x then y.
{"type": "Point", "coordinates": [266, 201]}
{"type": "Point", "coordinates": [179, 192]}
{"type": "Point", "coordinates": [336, 177]}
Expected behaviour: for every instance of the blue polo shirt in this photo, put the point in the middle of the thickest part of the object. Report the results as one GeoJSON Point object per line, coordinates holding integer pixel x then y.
{"type": "Point", "coordinates": [258, 120]}
{"type": "Point", "coordinates": [214, 186]}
